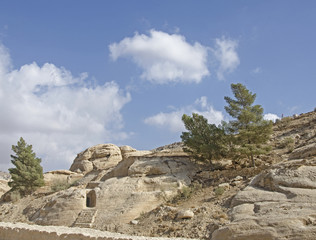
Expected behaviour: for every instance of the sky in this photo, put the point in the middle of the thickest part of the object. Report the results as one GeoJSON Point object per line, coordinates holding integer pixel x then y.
{"type": "Point", "coordinates": [77, 73]}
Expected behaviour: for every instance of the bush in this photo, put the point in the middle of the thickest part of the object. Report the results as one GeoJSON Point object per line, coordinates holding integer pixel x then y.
{"type": "Point", "coordinates": [186, 192]}
{"type": "Point", "coordinates": [59, 185]}
{"type": "Point", "coordinates": [288, 143]}
{"type": "Point", "coordinates": [11, 196]}
{"type": "Point", "coordinates": [219, 191]}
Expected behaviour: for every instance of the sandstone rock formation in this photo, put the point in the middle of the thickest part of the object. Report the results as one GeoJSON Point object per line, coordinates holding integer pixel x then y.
{"type": "Point", "coordinates": [278, 204]}
{"type": "Point", "coordinates": [4, 187]}
{"type": "Point", "coordinates": [115, 186]}
{"type": "Point", "coordinates": [4, 179]}
{"type": "Point", "coordinates": [98, 157]}
{"type": "Point", "coordinates": [61, 176]}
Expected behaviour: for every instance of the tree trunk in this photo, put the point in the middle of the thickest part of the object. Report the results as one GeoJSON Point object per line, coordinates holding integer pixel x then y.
{"type": "Point", "coordinates": [253, 160]}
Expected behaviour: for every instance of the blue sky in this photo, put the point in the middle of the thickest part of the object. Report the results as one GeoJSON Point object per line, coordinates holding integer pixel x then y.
{"type": "Point", "coordinates": [78, 73]}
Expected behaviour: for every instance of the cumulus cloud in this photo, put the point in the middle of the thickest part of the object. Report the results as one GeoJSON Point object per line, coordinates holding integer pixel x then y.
{"type": "Point", "coordinates": [173, 120]}
{"type": "Point", "coordinates": [271, 116]}
{"type": "Point", "coordinates": [164, 57]}
{"type": "Point", "coordinates": [226, 54]}
{"type": "Point", "coordinates": [57, 113]}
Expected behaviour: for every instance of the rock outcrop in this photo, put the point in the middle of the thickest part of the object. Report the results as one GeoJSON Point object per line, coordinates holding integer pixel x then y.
{"type": "Point", "coordinates": [4, 179]}
{"type": "Point", "coordinates": [278, 204]}
{"type": "Point", "coordinates": [4, 187]}
{"type": "Point", "coordinates": [116, 185]}
{"type": "Point", "coordinates": [99, 157]}
{"type": "Point", "coordinates": [61, 176]}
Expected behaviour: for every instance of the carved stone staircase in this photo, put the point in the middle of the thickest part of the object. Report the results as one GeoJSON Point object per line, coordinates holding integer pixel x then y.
{"type": "Point", "coordinates": [85, 218]}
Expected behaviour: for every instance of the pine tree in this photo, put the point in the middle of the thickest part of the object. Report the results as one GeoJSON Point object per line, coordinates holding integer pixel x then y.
{"type": "Point", "coordinates": [27, 175]}
{"type": "Point", "coordinates": [203, 141]}
{"type": "Point", "coordinates": [250, 129]}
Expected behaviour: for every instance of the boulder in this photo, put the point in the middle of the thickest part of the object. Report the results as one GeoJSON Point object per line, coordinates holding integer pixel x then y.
{"type": "Point", "coordinates": [127, 150]}
{"type": "Point", "coordinates": [185, 214]}
{"type": "Point", "coordinates": [99, 157]}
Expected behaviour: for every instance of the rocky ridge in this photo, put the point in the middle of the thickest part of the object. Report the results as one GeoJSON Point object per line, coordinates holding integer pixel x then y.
{"type": "Point", "coordinates": [162, 193]}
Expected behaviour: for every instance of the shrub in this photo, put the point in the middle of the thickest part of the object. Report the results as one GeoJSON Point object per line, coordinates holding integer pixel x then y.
{"type": "Point", "coordinates": [59, 185]}
{"type": "Point", "coordinates": [219, 191]}
{"type": "Point", "coordinates": [186, 192]}
{"type": "Point", "coordinates": [288, 143]}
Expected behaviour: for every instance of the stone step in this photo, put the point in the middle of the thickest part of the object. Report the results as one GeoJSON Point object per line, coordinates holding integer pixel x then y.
{"type": "Point", "coordinates": [85, 218]}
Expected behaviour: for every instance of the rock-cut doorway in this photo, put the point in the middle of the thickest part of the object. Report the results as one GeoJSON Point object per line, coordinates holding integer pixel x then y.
{"type": "Point", "coordinates": [91, 199]}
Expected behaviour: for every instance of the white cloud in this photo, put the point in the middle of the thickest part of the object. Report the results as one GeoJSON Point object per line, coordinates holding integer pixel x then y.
{"type": "Point", "coordinates": [173, 120]}
{"type": "Point", "coordinates": [163, 57]}
{"type": "Point", "coordinates": [226, 54]}
{"type": "Point", "coordinates": [271, 116]}
{"type": "Point", "coordinates": [58, 114]}
{"type": "Point", "coordinates": [257, 70]}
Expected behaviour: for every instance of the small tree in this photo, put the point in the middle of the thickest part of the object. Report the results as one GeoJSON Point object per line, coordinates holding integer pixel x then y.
{"type": "Point", "coordinates": [203, 141]}
{"type": "Point", "coordinates": [28, 173]}
{"type": "Point", "coordinates": [250, 129]}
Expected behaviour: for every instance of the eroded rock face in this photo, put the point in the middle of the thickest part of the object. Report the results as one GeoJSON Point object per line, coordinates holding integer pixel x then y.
{"type": "Point", "coordinates": [61, 209]}
{"type": "Point", "coordinates": [99, 157]}
{"type": "Point", "coordinates": [61, 176]}
{"type": "Point", "coordinates": [303, 152]}
{"type": "Point", "coordinates": [143, 182]}
{"type": "Point", "coordinates": [4, 187]}
{"type": "Point", "coordinates": [117, 185]}
{"type": "Point", "coordinates": [278, 204]}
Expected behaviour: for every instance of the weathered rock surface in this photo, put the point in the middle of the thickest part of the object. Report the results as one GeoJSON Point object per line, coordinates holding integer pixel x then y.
{"type": "Point", "coordinates": [185, 214]}
{"type": "Point", "coordinates": [4, 179]}
{"type": "Point", "coordinates": [304, 151]}
{"type": "Point", "coordinates": [102, 156]}
{"type": "Point", "coordinates": [61, 176]}
{"type": "Point", "coordinates": [278, 204]}
{"type": "Point", "coordinates": [22, 231]}
{"type": "Point", "coordinates": [116, 186]}
{"type": "Point", "coordinates": [4, 187]}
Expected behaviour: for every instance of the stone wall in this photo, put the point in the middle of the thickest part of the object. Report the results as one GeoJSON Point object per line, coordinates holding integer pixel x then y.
{"type": "Point", "coordinates": [22, 231]}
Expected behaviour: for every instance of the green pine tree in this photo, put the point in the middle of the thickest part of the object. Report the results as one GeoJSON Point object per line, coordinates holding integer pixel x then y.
{"type": "Point", "coordinates": [205, 142]}
{"type": "Point", "coordinates": [251, 132]}
{"type": "Point", "coordinates": [27, 175]}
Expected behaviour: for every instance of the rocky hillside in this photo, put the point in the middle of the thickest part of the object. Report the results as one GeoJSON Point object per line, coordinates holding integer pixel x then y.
{"type": "Point", "coordinates": [4, 178]}
{"type": "Point", "coordinates": [162, 193]}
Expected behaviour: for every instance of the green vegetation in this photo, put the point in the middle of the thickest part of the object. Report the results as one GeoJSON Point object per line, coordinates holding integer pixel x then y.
{"type": "Point", "coordinates": [185, 192]}
{"type": "Point", "coordinates": [60, 185]}
{"type": "Point", "coordinates": [203, 141]}
{"type": "Point", "coordinates": [251, 132]}
{"type": "Point", "coordinates": [288, 143]}
{"type": "Point", "coordinates": [27, 175]}
{"type": "Point", "coordinates": [219, 191]}
{"type": "Point", "coordinates": [245, 136]}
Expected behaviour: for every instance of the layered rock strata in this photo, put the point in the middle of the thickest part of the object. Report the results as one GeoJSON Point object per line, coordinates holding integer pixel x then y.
{"type": "Point", "coordinates": [278, 204]}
